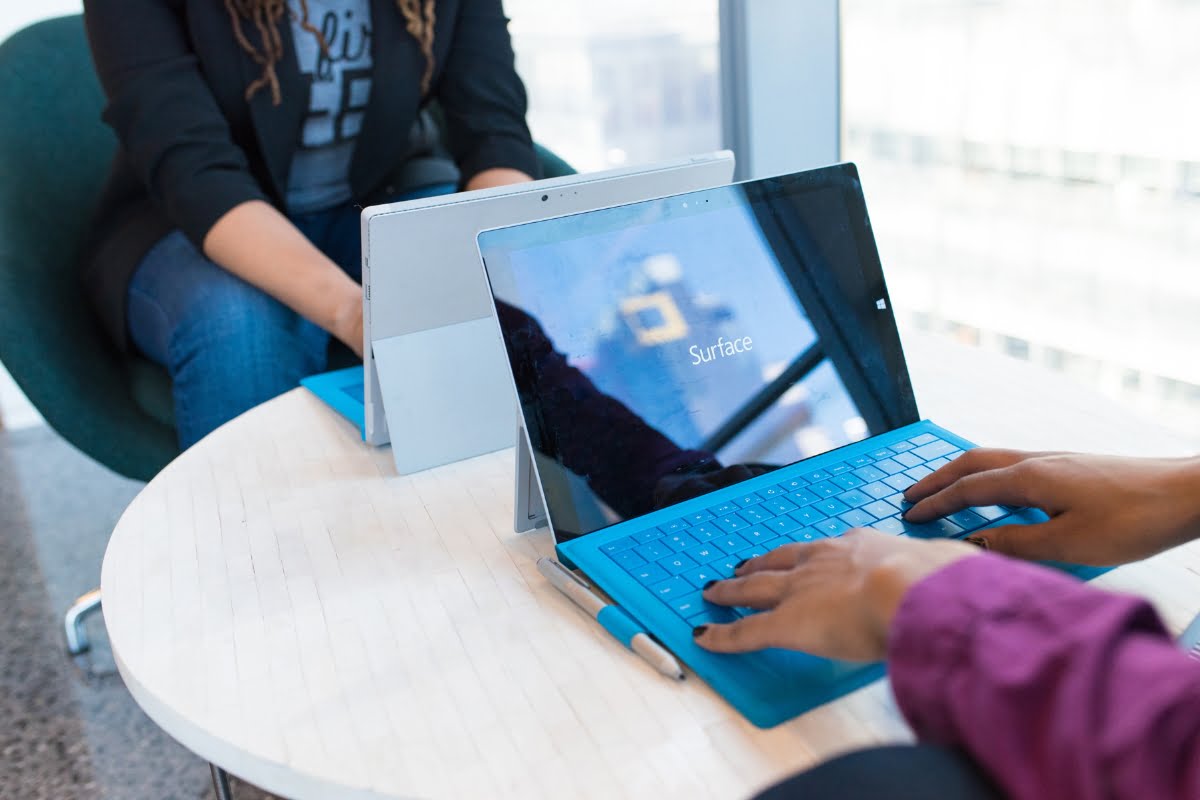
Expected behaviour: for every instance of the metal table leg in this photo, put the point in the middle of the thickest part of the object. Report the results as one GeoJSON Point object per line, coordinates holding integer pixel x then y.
{"type": "Point", "coordinates": [220, 781]}
{"type": "Point", "coordinates": [84, 607]}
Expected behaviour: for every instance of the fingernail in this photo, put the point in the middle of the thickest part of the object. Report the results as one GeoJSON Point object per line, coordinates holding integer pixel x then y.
{"type": "Point", "coordinates": [698, 631]}
{"type": "Point", "coordinates": [708, 586]}
{"type": "Point", "coordinates": [740, 564]}
{"type": "Point", "coordinates": [979, 542]}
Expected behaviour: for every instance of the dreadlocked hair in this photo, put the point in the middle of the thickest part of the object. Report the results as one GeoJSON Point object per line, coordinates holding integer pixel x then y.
{"type": "Point", "coordinates": [266, 16]}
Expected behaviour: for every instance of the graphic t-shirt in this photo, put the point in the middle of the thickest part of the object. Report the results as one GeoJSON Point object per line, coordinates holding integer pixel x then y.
{"type": "Point", "coordinates": [339, 81]}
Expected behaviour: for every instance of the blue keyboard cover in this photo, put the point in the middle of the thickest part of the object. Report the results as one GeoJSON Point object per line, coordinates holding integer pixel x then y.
{"type": "Point", "coordinates": [654, 566]}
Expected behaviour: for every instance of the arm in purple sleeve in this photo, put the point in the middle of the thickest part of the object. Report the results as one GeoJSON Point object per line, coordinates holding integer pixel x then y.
{"type": "Point", "coordinates": [1056, 688]}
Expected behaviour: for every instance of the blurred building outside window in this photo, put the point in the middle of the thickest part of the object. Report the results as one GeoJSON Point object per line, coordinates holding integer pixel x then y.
{"type": "Point", "coordinates": [1032, 168]}
{"type": "Point", "coordinates": [622, 82]}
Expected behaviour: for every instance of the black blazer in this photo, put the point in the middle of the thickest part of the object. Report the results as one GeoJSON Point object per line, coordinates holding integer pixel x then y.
{"type": "Point", "coordinates": [192, 147]}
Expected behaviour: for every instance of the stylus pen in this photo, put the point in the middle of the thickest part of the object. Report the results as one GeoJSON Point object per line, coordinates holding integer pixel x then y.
{"type": "Point", "coordinates": [611, 617]}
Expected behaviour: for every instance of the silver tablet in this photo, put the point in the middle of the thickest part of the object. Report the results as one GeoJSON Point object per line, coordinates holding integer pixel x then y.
{"type": "Point", "coordinates": [436, 383]}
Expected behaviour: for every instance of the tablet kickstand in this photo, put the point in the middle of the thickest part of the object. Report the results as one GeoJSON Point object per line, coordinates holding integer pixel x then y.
{"type": "Point", "coordinates": [529, 511]}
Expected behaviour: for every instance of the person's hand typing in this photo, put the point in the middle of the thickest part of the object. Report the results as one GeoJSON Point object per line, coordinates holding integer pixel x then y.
{"type": "Point", "coordinates": [1103, 510]}
{"type": "Point", "coordinates": [833, 598]}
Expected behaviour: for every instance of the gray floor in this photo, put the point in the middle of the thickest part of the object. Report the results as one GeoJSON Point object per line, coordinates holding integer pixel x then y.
{"type": "Point", "coordinates": [69, 729]}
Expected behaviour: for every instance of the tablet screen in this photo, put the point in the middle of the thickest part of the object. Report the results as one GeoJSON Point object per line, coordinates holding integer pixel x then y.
{"type": "Point", "coordinates": [665, 349]}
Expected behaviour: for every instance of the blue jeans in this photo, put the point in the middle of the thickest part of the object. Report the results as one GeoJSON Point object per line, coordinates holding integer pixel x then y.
{"type": "Point", "coordinates": [227, 345]}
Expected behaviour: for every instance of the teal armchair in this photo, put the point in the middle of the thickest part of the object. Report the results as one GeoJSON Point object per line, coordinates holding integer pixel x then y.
{"type": "Point", "coordinates": [54, 154]}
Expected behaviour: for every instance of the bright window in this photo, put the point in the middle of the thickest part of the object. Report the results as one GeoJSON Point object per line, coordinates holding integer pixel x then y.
{"type": "Point", "coordinates": [619, 82]}
{"type": "Point", "coordinates": [1033, 173]}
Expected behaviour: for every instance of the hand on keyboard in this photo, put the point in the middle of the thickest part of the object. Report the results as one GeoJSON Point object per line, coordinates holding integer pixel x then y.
{"type": "Point", "coordinates": [1103, 510]}
{"type": "Point", "coordinates": [833, 597]}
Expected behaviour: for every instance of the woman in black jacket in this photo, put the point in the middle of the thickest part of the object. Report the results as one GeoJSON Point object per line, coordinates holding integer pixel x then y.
{"type": "Point", "coordinates": [226, 244]}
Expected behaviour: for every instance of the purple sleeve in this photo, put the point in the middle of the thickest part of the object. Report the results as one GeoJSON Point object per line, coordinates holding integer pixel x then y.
{"type": "Point", "coordinates": [1056, 688]}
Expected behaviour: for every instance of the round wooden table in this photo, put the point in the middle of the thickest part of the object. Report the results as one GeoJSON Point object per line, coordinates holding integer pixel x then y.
{"type": "Point", "coordinates": [291, 610]}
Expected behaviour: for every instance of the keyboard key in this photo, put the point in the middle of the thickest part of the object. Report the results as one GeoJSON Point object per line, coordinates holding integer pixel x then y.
{"type": "Point", "coordinates": [881, 453]}
{"type": "Point", "coordinates": [678, 541]}
{"type": "Point", "coordinates": [677, 563]}
{"type": "Point", "coordinates": [832, 527]}
{"type": "Point", "coordinates": [917, 473]}
{"type": "Point", "coordinates": [856, 518]}
{"type": "Point", "coordinates": [838, 469]}
{"type": "Point", "coordinates": [907, 459]}
{"type": "Point", "coordinates": [878, 490]}
{"type": "Point", "coordinates": [831, 507]}
{"type": "Point", "coordinates": [901, 447]}
{"type": "Point", "coordinates": [647, 535]}
{"type": "Point", "coordinates": [747, 500]}
{"type": "Point", "coordinates": [649, 573]}
{"type": "Point", "coordinates": [870, 474]}
{"type": "Point", "coordinates": [790, 486]}
{"type": "Point", "coordinates": [889, 525]}
{"type": "Point", "coordinates": [704, 553]}
{"type": "Point", "coordinates": [815, 475]}
{"type": "Point", "coordinates": [934, 450]}
{"type": "Point", "coordinates": [880, 509]}
{"type": "Point", "coordinates": [755, 514]}
{"type": "Point", "coordinates": [924, 438]}
{"type": "Point", "coordinates": [848, 481]}
{"type": "Point", "coordinates": [653, 551]}
{"type": "Point", "coordinates": [807, 535]}
{"type": "Point", "coordinates": [803, 497]}
{"type": "Point", "coordinates": [807, 516]}
{"type": "Point", "coordinates": [722, 509]}
{"type": "Point", "coordinates": [671, 588]}
{"type": "Point", "coordinates": [688, 606]}
{"type": "Point", "coordinates": [938, 529]}
{"type": "Point", "coordinates": [783, 525]}
{"type": "Point", "coordinates": [619, 545]}
{"type": "Point", "coordinates": [731, 523]}
{"type": "Point", "coordinates": [953, 455]}
{"type": "Point", "coordinates": [771, 491]}
{"type": "Point", "coordinates": [854, 498]}
{"type": "Point", "coordinates": [628, 560]}
{"type": "Point", "coordinates": [759, 534]}
{"type": "Point", "coordinates": [724, 566]}
{"type": "Point", "coordinates": [674, 526]}
{"type": "Point", "coordinates": [704, 531]}
{"type": "Point", "coordinates": [752, 552]}
{"type": "Point", "coordinates": [899, 482]}
{"type": "Point", "coordinates": [697, 517]}
{"type": "Point", "coordinates": [890, 466]}
{"type": "Point", "coordinates": [860, 461]}
{"type": "Point", "coordinates": [938, 463]}
{"type": "Point", "coordinates": [700, 576]}
{"type": "Point", "coordinates": [731, 542]}
{"type": "Point", "coordinates": [825, 489]}
{"type": "Point", "coordinates": [779, 505]}
{"type": "Point", "coordinates": [991, 513]}
{"type": "Point", "coordinates": [712, 615]}
{"type": "Point", "coordinates": [967, 520]}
